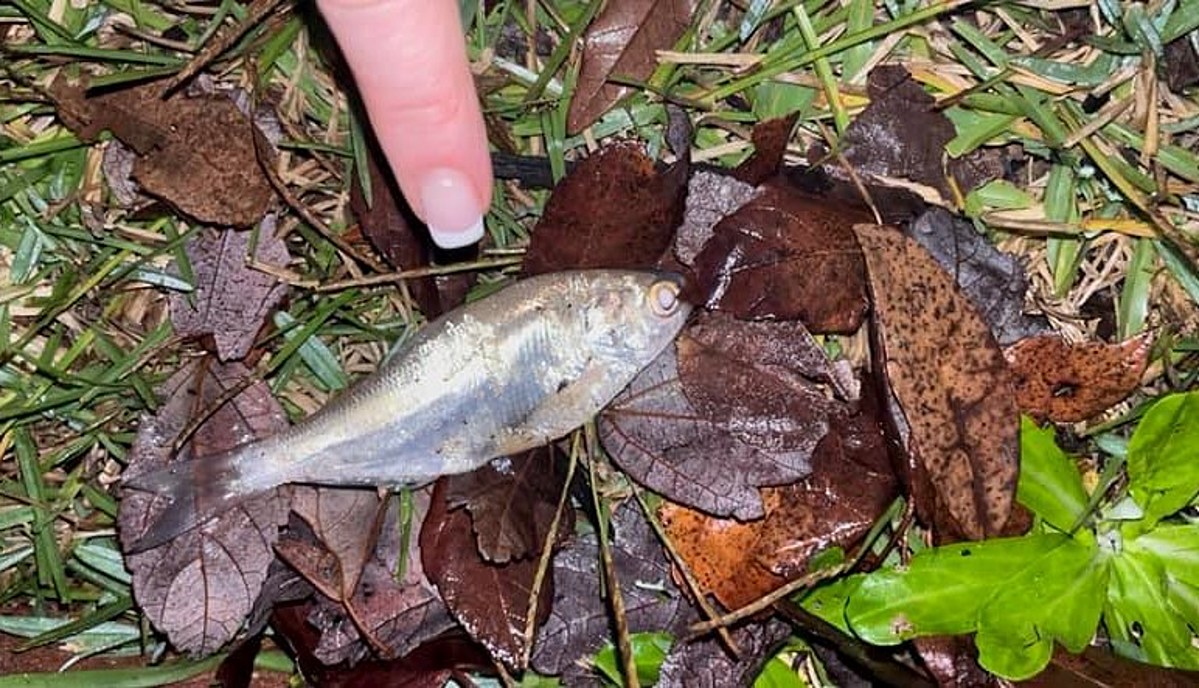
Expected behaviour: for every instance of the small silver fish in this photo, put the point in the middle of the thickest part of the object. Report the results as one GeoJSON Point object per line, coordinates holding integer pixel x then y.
{"type": "Point", "coordinates": [504, 374]}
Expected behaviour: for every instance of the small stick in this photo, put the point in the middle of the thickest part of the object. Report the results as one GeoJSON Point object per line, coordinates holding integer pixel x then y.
{"type": "Point", "coordinates": [257, 10]}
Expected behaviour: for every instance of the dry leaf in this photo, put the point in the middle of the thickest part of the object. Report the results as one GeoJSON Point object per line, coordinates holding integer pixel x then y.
{"type": "Point", "coordinates": [711, 196]}
{"type": "Point", "coordinates": [733, 410]}
{"type": "Point", "coordinates": [491, 601]}
{"type": "Point", "coordinates": [706, 663]}
{"type": "Point", "coordinates": [770, 144]}
{"type": "Point", "coordinates": [994, 281]}
{"type": "Point", "coordinates": [512, 503]}
{"type": "Point", "coordinates": [851, 484]}
{"type": "Point", "coordinates": [199, 588]}
{"type": "Point", "coordinates": [231, 300]}
{"type": "Point", "coordinates": [579, 623]}
{"type": "Point", "coordinates": [952, 385]}
{"type": "Point", "coordinates": [622, 42]}
{"type": "Point", "coordinates": [783, 256]}
{"type": "Point", "coordinates": [1066, 383]}
{"type": "Point", "coordinates": [902, 134]}
{"type": "Point", "coordinates": [194, 152]}
{"type": "Point", "coordinates": [614, 210]}
{"type": "Point", "coordinates": [346, 524]}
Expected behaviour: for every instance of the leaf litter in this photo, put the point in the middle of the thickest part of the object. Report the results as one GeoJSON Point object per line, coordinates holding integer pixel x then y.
{"type": "Point", "coordinates": [344, 542]}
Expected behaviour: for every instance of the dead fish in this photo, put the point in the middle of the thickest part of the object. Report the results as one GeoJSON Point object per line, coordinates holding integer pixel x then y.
{"type": "Point", "coordinates": [499, 376]}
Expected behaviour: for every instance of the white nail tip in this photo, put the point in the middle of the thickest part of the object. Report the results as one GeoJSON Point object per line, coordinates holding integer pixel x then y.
{"type": "Point", "coordinates": [458, 239]}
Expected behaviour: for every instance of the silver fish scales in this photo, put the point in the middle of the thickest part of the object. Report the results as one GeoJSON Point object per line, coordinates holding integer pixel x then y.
{"type": "Point", "coordinates": [504, 374]}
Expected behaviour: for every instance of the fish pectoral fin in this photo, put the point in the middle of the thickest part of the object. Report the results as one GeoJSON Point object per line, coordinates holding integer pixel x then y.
{"type": "Point", "coordinates": [568, 407]}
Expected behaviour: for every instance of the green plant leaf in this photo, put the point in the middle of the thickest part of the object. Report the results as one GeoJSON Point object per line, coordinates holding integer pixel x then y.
{"type": "Point", "coordinates": [1163, 457]}
{"type": "Point", "coordinates": [1176, 548]}
{"type": "Point", "coordinates": [1050, 484]}
{"type": "Point", "coordinates": [1139, 615]}
{"type": "Point", "coordinates": [943, 590]}
{"type": "Point", "coordinates": [649, 650]}
{"type": "Point", "coordinates": [830, 600]}
{"type": "Point", "coordinates": [1060, 598]}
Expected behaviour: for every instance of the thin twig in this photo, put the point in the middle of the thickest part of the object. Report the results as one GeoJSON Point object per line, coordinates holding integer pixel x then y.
{"type": "Point", "coordinates": [256, 12]}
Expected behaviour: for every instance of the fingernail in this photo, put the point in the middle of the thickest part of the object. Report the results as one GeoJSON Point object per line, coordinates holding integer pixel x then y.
{"type": "Point", "coordinates": [451, 209]}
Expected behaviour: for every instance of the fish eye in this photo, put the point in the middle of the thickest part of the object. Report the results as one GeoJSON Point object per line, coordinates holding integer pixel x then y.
{"type": "Point", "coordinates": [664, 298]}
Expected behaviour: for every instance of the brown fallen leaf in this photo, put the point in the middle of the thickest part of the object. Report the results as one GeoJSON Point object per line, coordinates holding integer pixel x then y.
{"type": "Point", "coordinates": [199, 588]}
{"type": "Point", "coordinates": [383, 616]}
{"type": "Point", "coordinates": [770, 144]}
{"type": "Point", "coordinates": [580, 622]}
{"type": "Point", "coordinates": [614, 210]}
{"type": "Point", "coordinates": [711, 196]}
{"type": "Point", "coordinates": [851, 484]}
{"type": "Point", "coordinates": [995, 281]}
{"type": "Point", "coordinates": [786, 255]}
{"type": "Point", "coordinates": [902, 134]}
{"type": "Point", "coordinates": [346, 523]}
{"type": "Point", "coordinates": [231, 300]}
{"type": "Point", "coordinates": [1066, 383]}
{"type": "Point", "coordinates": [622, 42]}
{"type": "Point", "coordinates": [491, 601]}
{"type": "Point", "coordinates": [730, 412]}
{"type": "Point", "coordinates": [1098, 667]}
{"type": "Point", "coordinates": [706, 663]}
{"type": "Point", "coordinates": [194, 152]}
{"type": "Point", "coordinates": [512, 503]}
{"type": "Point", "coordinates": [952, 386]}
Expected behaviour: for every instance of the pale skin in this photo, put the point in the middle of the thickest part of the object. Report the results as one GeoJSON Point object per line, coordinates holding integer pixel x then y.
{"type": "Point", "coordinates": [409, 61]}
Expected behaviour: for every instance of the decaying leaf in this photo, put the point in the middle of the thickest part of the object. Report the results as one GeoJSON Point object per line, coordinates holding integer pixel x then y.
{"type": "Point", "coordinates": [622, 42]}
{"type": "Point", "coordinates": [613, 210]}
{"type": "Point", "coordinates": [706, 663]}
{"type": "Point", "coordinates": [579, 623]}
{"type": "Point", "coordinates": [1072, 382]}
{"type": "Point", "coordinates": [1099, 667]}
{"type": "Point", "coordinates": [902, 134]}
{"type": "Point", "coordinates": [194, 152]}
{"type": "Point", "coordinates": [786, 255]}
{"type": "Point", "coordinates": [231, 300]}
{"type": "Point", "coordinates": [993, 280]}
{"type": "Point", "coordinates": [346, 523]}
{"type": "Point", "coordinates": [396, 234]}
{"type": "Point", "coordinates": [512, 503]}
{"type": "Point", "coordinates": [732, 411]}
{"type": "Point", "coordinates": [851, 484]}
{"type": "Point", "coordinates": [491, 601]}
{"type": "Point", "coordinates": [954, 390]}
{"type": "Point", "coordinates": [770, 144]}
{"type": "Point", "coordinates": [386, 615]}
{"type": "Point", "coordinates": [199, 588]}
{"type": "Point", "coordinates": [711, 196]}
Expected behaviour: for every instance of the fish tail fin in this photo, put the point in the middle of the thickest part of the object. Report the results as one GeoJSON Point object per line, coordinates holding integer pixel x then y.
{"type": "Point", "coordinates": [198, 490]}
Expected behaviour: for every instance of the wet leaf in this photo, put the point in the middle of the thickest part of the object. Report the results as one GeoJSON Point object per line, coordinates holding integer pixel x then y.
{"type": "Point", "coordinates": [706, 663]}
{"type": "Point", "coordinates": [395, 232]}
{"type": "Point", "coordinates": [199, 588]}
{"type": "Point", "coordinates": [951, 661]}
{"type": "Point", "coordinates": [711, 196]}
{"type": "Point", "coordinates": [194, 152]}
{"type": "Point", "coordinates": [622, 42]}
{"type": "Point", "coordinates": [850, 486]}
{"type": "Point", "coordinates": [901, 134]}
{"type": "Point", "coordinates": [1097, 667]}
{"type": "Point", "coordinates": [952, 385]}
{"type": "Point", "coordinates": [512, 503]}
{"type": "Point", "coordinates": [614, 210]}
{"type": "Point", "coordinates": [491, 601]}
{"type": "Point", "coordinates": [770, 144]}
{"type": "Point", "coordinates": [1066, 383]}
{"type": "Point", "coordinates": [730, 412]}
{"type": "Point", "coordinates": [786, 255]}
{"type": "Point", "coordinates": [346, 522]}
{"type": "Point", "coordinates": [428, 666]}
{"type": "Point", "coordinates": [391, 616]}
{"type": "Point", "coordinates": [231, 300]}
{"type": "Point", "coordinates": [1181, 64]}
{"type": "Point", "coordinates": [579, 623]}
{"type": "Point", "coordinates": [994, 281]}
